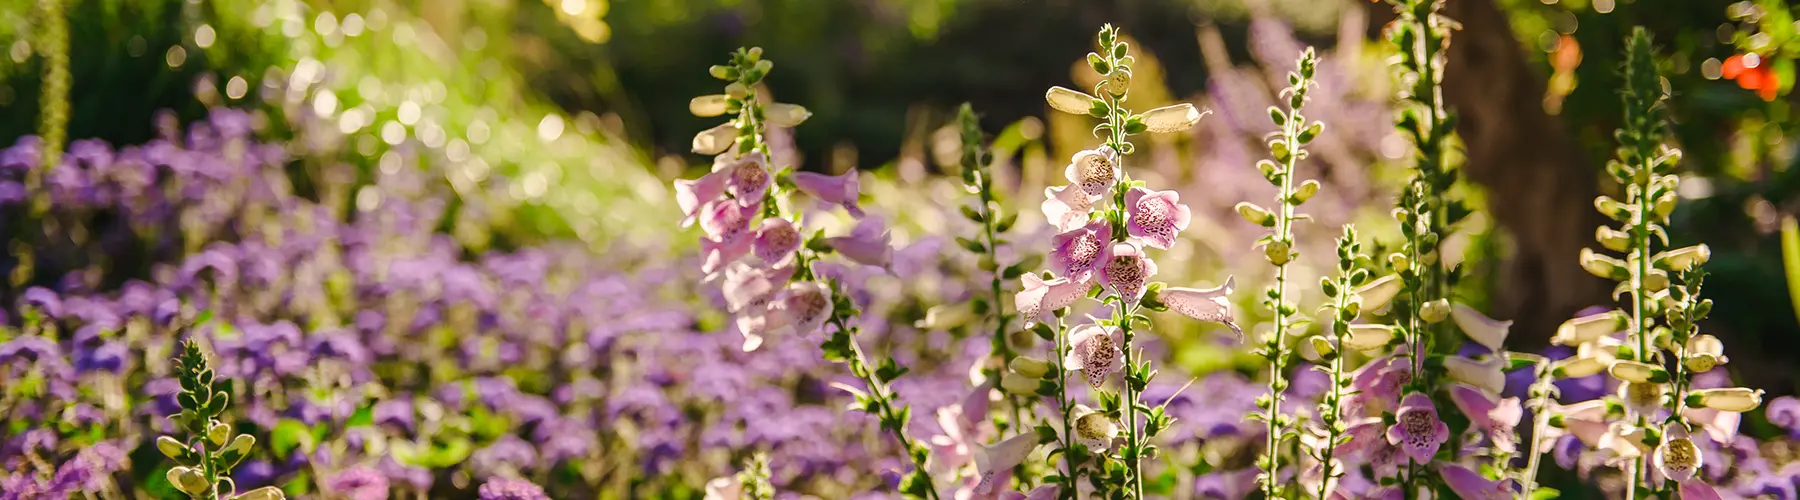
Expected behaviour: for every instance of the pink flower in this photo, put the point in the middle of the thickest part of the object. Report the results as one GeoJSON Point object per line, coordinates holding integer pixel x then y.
{"type": "Point", "coordinates": [1469, 485]}
{"type": "Point", "coordinates": [1127, 270]}
{"type": "Point", "coordinates": [801, 308]}
{"type": "Point", "coordinates": [1698, 490]}
{"type": "Point", "coordinates": [776, 241]}
{"type": "Point", "coordinates": [1066, 207]}
{"type": "Point", "coordinates": [840, 189]}
{"type": "Point", "coordinates": [1038, 300]}
{"type": "Point", "coordinates": [747, 177]}
{"type": "Point", "coordinates": [1417, 429]}
{"type": "Point", "coordinates": [1365, 435]}
{"type": "Point", "coordinates": [1378, 384]}
{"type": "Point", "coordinates": [1039, 493]}
{"type": "Point", "coordinates": [867, 244]}
{"type": "Point", "coordinates": [961, 426]}
{"type": "Point", "coordinates": [1499, 419]}
{"type": "Point", "coordinates": [1095, 170]}
{"type": "Point", "coordinates": [1094, 350]}
{"type": "Point", "coordinates": [993, 461]}
{"type": "Point", "coordinates": [1155, 216]}
{"type": "Point", "coordinates": [1078, 252]}
{"type": "Point", "coordinates": [746, 286]}
{"type": "Point", "coordinates": [691, 195]}
{"type": "Point", "coordinates": [1204, 304]}
{"type": "Point", "coordinates": [1677, 457]}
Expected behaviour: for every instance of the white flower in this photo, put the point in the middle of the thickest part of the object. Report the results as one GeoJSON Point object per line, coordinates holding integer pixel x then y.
{"type": "Point", "coordinates": [1641, 398]}
{"type": "Point", "coordinates": [1094, 429]}
{"type": "Point", "coordinates": [1677, 457]}
{"type": "Point", "coordinates": [1480, 328]}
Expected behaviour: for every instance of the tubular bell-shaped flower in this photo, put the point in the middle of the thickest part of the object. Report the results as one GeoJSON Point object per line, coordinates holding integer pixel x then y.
{"type": "Point", "coordinates": [1079, 252]}
{"type": "Point", "coordinates": [1094, 429]}
{"type": "Point", "coordinates": [777, 241]}
{"type": "Point", "coordinates": [1067, 207]}
{"type": "Point", "coordinates": [1094, 350]}
{"type": "Point", "coordinates": [1038, 300]}
{"type": "Point", "coordinates": [841, 190]}
{"type": "Point", "coordinates": [1497, 419]}
{"type": "Point", "coordinates": [1155, 216]}
{"type": "Point", "coordinates": [1677, 457]}
{"type": "Point", "coordinates": [1095, 170]}
{"type": "Point", "coordinates": [1593, 326]}
{"type": "Point", "coordinates": [1417, 430]}
{"type": "Point", "coordinates": [991, 461]}
{"type": "Point", "coordinates": [1486, 331]}
{"type": "Point", "coordinates": [1126, 271]}
{"type": "Point", "coordinates": [867, 244]}
{"type": "Point", "coordinates": [1469, 485]}
{"type": "Point", "coordinates": [1204, 304]}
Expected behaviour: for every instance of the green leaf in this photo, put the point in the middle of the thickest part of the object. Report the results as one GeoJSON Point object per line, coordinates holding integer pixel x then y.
{"type": "Point", "coordinates": [890, 370]}
{"type": "Point", "coordinates": [971, 213]}
{"type": "Point", "coordinates": [1542, 493]}
{"type": "Point", "coordinates": [289, 434]}
{"type": "Point", "coordinates": [363, 416]}
{"type": "Point", "coordinates": [837, 347]}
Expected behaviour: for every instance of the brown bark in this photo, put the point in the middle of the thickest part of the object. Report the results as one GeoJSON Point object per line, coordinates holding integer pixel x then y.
{"type": "Point", "coordinates": [1540, 189]}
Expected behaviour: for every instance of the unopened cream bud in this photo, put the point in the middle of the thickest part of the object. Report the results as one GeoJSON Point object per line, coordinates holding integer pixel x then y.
{"type": "Point", "coordinates": [1704, 352]}
{"type": "Point", "coordinates": [1587, 328]}
{"type": "Point", "coordinates": [737, 90]}
{"type": "Point", "coordinates": [1016, 383]}
{"type": "Point", "coordinates": [1305, 191]}
{"type": "Point", "coordinates": [1682, 259]}
{"type": "Point", "coordinates": [709, 105]}
{"type": "Point", "coordinates": [1603, 266]}
{"type": "Point", "coordinates": [1637, 372]}
{"type": "Point", "coordinates": [171, 448]}
{"type": "Point", "coordinates": [241, 445]}
{"type": "Point", "coordinates": [1069, 101]}
{"type": "Point", "coordinates": [1376, 294]}
{"type": "Point", "coordinates": [1278, 252]}
{"type": "Point", "coordinates": [1369, 337]}
{"type": "Point", "coordinates": [1029, 366]}
{"type": "Point", "coordinates": [1736, 399]}
{"type": "Point", "coordinates": [715, 140]}
{"type": "Point", "coordinates": [1255, 214]}
{"type": "Point", "coordinates": [1435, 311]}
{"type": "Point", "coordinates": [1613, 239]}
{"type": "Point", "coordinates": [1657, 280]}
{"type": "Point", "coordinates": [786, 115]}
{"type": "Point", "coordinates": [1174, 118]}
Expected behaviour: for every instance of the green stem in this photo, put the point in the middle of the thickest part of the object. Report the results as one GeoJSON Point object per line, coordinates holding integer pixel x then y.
{"type": "Point", "coordinates": [1073, 477]}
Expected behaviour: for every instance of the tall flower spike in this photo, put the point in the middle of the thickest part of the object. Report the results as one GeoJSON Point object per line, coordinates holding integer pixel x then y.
{"type": "Point", "coordinates": [1286, 151]}
{"type": "Point", "coordinates": [1338, 435]}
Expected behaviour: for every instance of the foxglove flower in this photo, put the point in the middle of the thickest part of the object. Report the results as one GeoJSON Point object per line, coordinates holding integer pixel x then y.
{"type": "Point", "coordinates": [1486, 331]}
{"type": "Point", "coordinates": [1095, 351]}
{"type": "Point", "coordinates": [504, 488]}
{"type": "Point", "coordinates": [1038, 300]}
{"type": "Point", "coordinates": [1498, 419]}
{"type": "Point", "coordinates": [776, 241]}
{"type": "Point", "coordinates": [992, 461]}
{"type": "Point", "coordinates": [804, 306]}
{"type": "Point", "coordinates": [1094, 429]}
{"type": "Point", "coordinates": [867, 244]}
{"type": "Point", "coordinates": [1488, 374]}
{"type": "Point", "coordinates": [1069, 101]}
{"type": "Point", "coordinates": [715, 140]}
{"type": "Point", "coordinates": [1067, 207]}
{"type": "Point", "coordinates": [1126, 271]}
{"type": "Point", "coordinates": [1204, 304]}
{"type": "Point", "coordinates": [1079, 252]}
{"type": "Point", "coordinates": [1698, 490]}
{"type": "Point", "coordinates": [1677, 457]}
{"type": "Point", "coordinates": [1736, 399]}
{"type": "Point", "coordinates": [1368, 337]}
{"type": "Point", "coordinates": [1376, 294]}
{"type": "Point", "coordinates": [693, 194]}
{"type": "Point", "coordinates": [841, 190]}
{"type": "Point", "coordinates": [1469, 485]}
{"type": "Point", "coordinates": [1155, 216]}
{"type": "Point", "coordinates": [724, 488]}
{"type": "Point", "coordinates": [1095, 170]}
{"type": "Point", "coordinates": [747, 286]}
{"type": "Point", "coordinates": [961, 427]}
{"type": "Point", "coordinates": [1641, 398]}
{"type": "Point", "coordinates": [1172, 118]}
{"type": "Point", "coordinates": [747, 178]}
{"type": "Point", "coordinates": [1417, 430]}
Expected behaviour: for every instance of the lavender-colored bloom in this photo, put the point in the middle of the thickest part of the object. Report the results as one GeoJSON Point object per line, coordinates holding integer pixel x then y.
{"type": "Point", "coordinates": [1067, 207]}
{"type": "Point", "coordinates": [1470, 485]}
{"type": "Point", "coordinates": [1417, 430]}
{"type": "Point", "coordinates": [504, 488]}
{"type": "Point", "coordinates": [507, 453]}
{"type": "Point", "coordinates": [1499, 419]}
{"type": "Point", "coordinates": [92, 468]}
{"type": "Point", "coordinates": [1038, 299]}
{"type": "Point", "coordinates": [1095, 351]}
{"type": "Point", "coordinates": [840, 190]}
{"type": "Point", "coordinates": [395, 411]}
{"type": "Point", "coordinates": [1127, 271]}
{"type": "Point", "coordinates": [747, 177]}
{"type": "Point", "coordinates": [358, 483]}
{"type": "Point", "coordinates": [867, 244]}
{"type": "Point", "coordinates": [776, 241]}
{"type": "Point", "coordinates": [1156, 217]}
{"type": "Point", "coordinates": [1079, 252]}
{"type": "Point", "coordinates": [1784, 412]}
{"type": "Point", "coordinates": [43, 300]}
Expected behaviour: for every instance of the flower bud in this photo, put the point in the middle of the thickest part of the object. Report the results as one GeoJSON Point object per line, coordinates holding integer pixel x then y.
{"type": "Point", "coordinates": [1587, 328]}
{"type": "Point", "coordinates": [715, 140]}
{"type": "Point", "coordinates": [1376, 294]}
{"type": "Point", "coordinates": [1016, 383]}
{"type": "Point", "coordinates": [1637, 372]}
{"type": "Point", "coordinates": [1305, 191]}
{"type": "Point", "coordinates": [1682, 259]}
{"type": "Point", "coordinates": [1664, 206]}
{"type": "Point", "coordinates": [786, 115]}
{"type": "Point", "coordinates": [171, 448]}
{"type": "Point", "coordinates": [1434, 311]}
{"type": "Point", "coordinates": [1268, 169]}
{"type": "Point", "coordinates": [188, 480]}
{"type": "Point", "coordinates": [1255, 214]}
{"type": "Point", "coordinates": [1487, 375]}
{"type": "Point", "coordinates": [737, 90]}
{"type": "Point", "coordinates": [1118, 83]}
{"type": "Point", "coordinates": [1174, 118]}
{"type": "Point", "coordinates": [1603, 266]}
{"type": "Point", "coordinates": [1069, 101]}
{"type": "Point", "coordinates": [1735, 399]}
{"type": "Point", "coordinates": [1657, 280]}
{"type": "Point", "coordinates": [1615, 209]}
{"type": "Point", "coordinates": [1704, 352]}
{"type": "Point", "coordinates": [1613, 239]}
{"type": "Point", "coordinates": [263, 493]}
{"type": "Point", "coordinates": [1029, 367]}
{"type": "Point", "coordinates": [1278, 252]}
{"type": "Point", "coordinates": [1578, 367]}
{"type": "Point", "coordinates": [708, 105]}
{"type": "Point", "coordinates": [1322, 347]}
{"type": "Point", "coordinates": [1365, 337]}
{"type": "Point", "coordinates": [722, 72]}
{"type": "Point", "coordinates": [218, 434]}
{"type": "Point", "coordinates": [1399, 261]}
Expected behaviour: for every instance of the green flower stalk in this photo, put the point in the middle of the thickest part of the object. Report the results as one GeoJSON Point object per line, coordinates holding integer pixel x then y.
{"type": "Point", "coordinates": [742, 186]}
{"type": "Point", "coordinates": [1287, 149]}
{"type": "Point", "coordinates": [1344, 309]}
{"type": "Point", "coordinates": [987, 211]}
{"type": "Point", "coordinates": [205, 458]}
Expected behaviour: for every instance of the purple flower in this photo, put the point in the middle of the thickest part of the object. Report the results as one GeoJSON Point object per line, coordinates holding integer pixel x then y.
{"type": "Point", "coordinates": [358, 483]}
{"type": "Point", "coordinates": [728, 228]}
{"type": "Point", "coordinates": [1127, 270]}
{"type": "Point", "coordinates": [1417, 430]}
{"type": "Point", "coordinates": [838, 190]}
{"type": "Point", "coordinates": [1469, 485]}
{"type": "Point", "coordinates": [991, 461]}
{"type": "Point", "coordinates": [43, 300]}
{"type": "Point", "coordinates": [776, 241]}
{"type": "Point", "coordinates": [509, 453]}
{"type": "Point", "coordinates": [1784, 412]}
{"type": "Point", "coordinates": [1095, 351]}
{"type": "Point", "coordinates": [692, 195]}
{"type": "Point", "coordinates": [1078, 252]}
{"type": "Point", "coordinates": [504, 488]}
{"type": "Point", "coordinates": [1498, 419]}
{"type": "Point", "coordinates": [1156, 216]}
{"type": "Point", "coordinates": [868, 244]}
{"type": "Point", "coordinates": [747, 178]}
{"type": "Point", "coordinates": [395, 411]}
